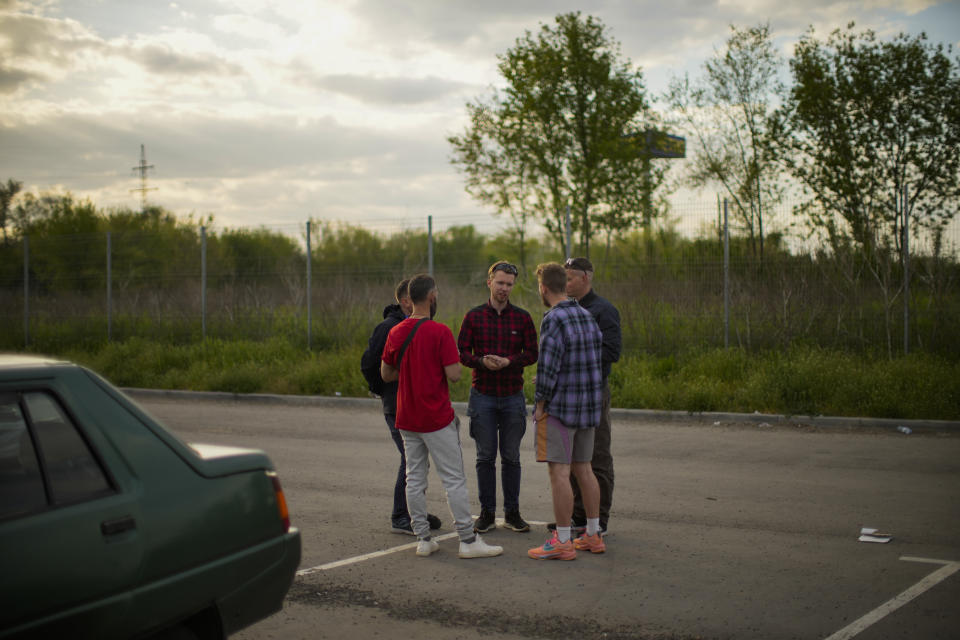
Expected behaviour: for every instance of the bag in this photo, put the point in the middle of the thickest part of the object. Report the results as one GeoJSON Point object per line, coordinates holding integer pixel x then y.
{"type": "Point", "coordinates": [370, 363]}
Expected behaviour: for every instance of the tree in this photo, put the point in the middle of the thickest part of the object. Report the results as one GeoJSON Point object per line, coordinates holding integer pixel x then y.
{"type": "Point", "coordinates": [153, 249]}
{"type": "Point", "coordinates": [457, 252]}
{"type": "Point", "coordinates": [7, 193]}
{"type": "Point", "coordinates": [68, 240]}
{"type": "Point", "coordinates": [727, 111]}
{"type": "Point", "coordinates": [554, 137]}
{"type": "Point", "coordinates": [627, 199]}
{"type": "Point", "coordinates": [497, 174]}
{"type": "Point", "coordinates": [863, 120]}
{"type": "Point", "coordinates": [343, 247]}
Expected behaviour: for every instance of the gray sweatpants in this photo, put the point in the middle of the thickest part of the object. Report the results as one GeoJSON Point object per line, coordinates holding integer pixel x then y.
{"type": "Point", "coordinates": [444, 447]}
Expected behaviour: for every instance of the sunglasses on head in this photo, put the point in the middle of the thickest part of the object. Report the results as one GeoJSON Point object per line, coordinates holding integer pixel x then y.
{"type": "Point", "coordinates": [506, 267]}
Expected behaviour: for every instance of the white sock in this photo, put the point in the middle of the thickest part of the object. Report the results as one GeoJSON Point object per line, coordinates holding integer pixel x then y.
{"type": "Point", "coordinates": [593, 526]}
{"type": "Point", "coordinates": [563, 534]}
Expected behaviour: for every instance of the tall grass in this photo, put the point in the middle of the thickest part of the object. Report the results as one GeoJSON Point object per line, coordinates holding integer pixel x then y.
{"type": "Point", "coordinates": [238, 366]}
{"type": "Point", "coordinates": [800, 381]}
{"type": "Point", "coordinates": [665, 309]}
{"type": "Point", "coordinates": [799, 347]}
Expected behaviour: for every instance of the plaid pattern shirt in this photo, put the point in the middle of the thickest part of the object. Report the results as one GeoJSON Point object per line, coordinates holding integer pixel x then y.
{"type": "Point", "coordinates": [569, 378]}
{"type": "Point", "coordinates": [511, 334]}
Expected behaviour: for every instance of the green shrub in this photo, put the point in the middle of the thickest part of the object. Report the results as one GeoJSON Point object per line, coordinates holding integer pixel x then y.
{"type": "Point", "coordinates": [797, 381]}
{"type": "Point", "coordinates": [246, 378]}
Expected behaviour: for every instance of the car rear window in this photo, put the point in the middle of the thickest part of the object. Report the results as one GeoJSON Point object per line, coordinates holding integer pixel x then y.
{"type": "Point", "coordinates": [71, 468]}
{"type": "Point", "coordinates": [21, 486]}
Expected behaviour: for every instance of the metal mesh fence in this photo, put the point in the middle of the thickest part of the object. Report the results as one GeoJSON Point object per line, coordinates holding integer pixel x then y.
{"type": "Point", "coordinates": [673, 286]}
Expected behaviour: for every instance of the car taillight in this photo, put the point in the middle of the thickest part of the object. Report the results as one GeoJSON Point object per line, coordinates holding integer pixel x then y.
{"type": "Point", "coordinates": [281, 500]}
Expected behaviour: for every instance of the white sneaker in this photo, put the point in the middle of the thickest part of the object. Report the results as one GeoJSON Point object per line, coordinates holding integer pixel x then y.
{"type": "Point", "coordinates": [426, 547]}
{"type": "Point", "coordinates": [479, 549]}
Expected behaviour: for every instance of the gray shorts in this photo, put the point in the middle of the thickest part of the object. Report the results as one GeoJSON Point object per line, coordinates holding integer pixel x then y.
{"type": "Point", "coordinates": [556, 442]}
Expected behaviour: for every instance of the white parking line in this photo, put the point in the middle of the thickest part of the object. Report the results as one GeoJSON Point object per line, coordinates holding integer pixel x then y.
{"type": "Point", "coordinates": [369, 556]}
{"type": "Point", "coordinates": [948, 569]}
{"type": "Point", "coordinates": [386, 552]}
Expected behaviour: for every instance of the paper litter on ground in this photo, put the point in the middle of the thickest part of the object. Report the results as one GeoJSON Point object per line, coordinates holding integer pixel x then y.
{"type": "Point", "coordinates": [868, 534]}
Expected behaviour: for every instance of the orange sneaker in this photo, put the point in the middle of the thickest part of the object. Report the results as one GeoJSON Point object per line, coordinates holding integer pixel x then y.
{"type": "Point", "coordinates": [593, 544]}
{"type": "Point", "coordinates": [553, 549]}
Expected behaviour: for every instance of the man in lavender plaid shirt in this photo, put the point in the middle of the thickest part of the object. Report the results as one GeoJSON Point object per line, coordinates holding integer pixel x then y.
{"type": "Point", "coordinates": [569, 400]}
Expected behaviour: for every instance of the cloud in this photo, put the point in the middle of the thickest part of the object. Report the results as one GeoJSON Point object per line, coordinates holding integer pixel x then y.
{"type": "Point", "coordinates": [89, 149]}
{"type": "Point", "coordinates": [161, 59]}
{"type": "Point", "coordinates": [34, 44]}
{"type": "Point", "coordinates": [385, 91]}
{"type": "Point", "coordinates": [51, 41]}
{"type": "Point", "coordinates": [248, 27]}
{"type": "Point", "coordinates": [243, 171]}
{"type": "Point", "coordinates": [13, 79]}
{"type": "Point", "coordinates": [24, 5]}
{"type": "Point", "coordinates": [458, 25]}
{"type": "Point", "coordinates": [280, 109]}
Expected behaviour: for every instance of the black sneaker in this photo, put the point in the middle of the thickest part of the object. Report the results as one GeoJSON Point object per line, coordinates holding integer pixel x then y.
{"type": "Point", "coordinates": [575, 528]}
{"type": "Point", "coordinates": [401, 526]}
{"type": "Point", "coordinates": [404, 526]}
{"type": "Point", "coordinates": [486, 522]}
{"type": "Point", "coordinates": [512, 520]}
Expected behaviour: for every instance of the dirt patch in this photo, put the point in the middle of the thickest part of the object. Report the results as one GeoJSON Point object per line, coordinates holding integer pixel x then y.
{"type": "Point", "coordinates": [493, 621]}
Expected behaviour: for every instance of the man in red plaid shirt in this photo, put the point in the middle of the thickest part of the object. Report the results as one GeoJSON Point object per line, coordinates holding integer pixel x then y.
{"type": "Point", "coordinates": [497, 340]}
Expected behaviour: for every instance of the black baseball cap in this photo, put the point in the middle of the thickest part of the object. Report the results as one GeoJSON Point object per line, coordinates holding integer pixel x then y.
{"type": "Point", "coordinates": [580, 264]}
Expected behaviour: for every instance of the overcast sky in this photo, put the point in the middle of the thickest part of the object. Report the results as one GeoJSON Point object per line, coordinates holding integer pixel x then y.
{"type": "Point", "coordinates": [270, 112]}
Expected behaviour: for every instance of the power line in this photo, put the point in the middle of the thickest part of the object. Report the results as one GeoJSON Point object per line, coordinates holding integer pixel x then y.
{"type": "Point", "coordinates": [142, 168]}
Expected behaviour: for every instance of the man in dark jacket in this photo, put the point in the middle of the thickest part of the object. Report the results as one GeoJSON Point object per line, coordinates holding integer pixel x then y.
{"type": "Point", "coordinates": [393, 314]}
{"type": "Point", "coordinates": [580, 288]}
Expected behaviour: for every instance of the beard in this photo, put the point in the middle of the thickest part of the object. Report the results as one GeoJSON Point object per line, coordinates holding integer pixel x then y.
{"type": "Point", "coordinates": [543, 298]}
{"type": "Point", "coordinates": [433, 308]}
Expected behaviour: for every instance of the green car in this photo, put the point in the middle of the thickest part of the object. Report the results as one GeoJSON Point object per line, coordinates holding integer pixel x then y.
{"type": "Point", "coordinates": [112, 527]}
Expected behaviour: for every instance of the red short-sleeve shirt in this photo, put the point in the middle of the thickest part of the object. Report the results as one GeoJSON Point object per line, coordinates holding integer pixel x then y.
{"type": "Point", "coordinates": [423, 397]}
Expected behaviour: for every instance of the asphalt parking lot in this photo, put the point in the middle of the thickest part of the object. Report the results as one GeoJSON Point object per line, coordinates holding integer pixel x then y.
{"type": "Point", "coordinates": [727, 530]}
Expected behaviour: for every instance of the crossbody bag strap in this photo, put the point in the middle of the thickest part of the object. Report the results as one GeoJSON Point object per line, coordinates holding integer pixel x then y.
{"type": "Point", "coordinates": [403, 348]}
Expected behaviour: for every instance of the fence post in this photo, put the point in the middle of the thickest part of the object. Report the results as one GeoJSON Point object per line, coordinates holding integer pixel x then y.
{"type": "Point", "coordinates": [309, 278]}
{"type": "Point", "coordinates": [203, 283]}
{"type": "Point", "coordinates": [430, 245]}
{"type": "Point", "coordinates": [719, 220]}
{"type": "Point", "coordinates": [109, 288]}
{"type": "Point", "coordinates": [726, 277]}
{"type": "Point", "coordinates": [26, 291]}
{"type": "Point", "coordinates": [906, 271]}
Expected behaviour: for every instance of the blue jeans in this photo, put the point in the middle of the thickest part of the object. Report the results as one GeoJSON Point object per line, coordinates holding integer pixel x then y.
{"type": "Point", "coordinates": [497, 423]}
{"type": "Point", "coordinates": [399, 515]}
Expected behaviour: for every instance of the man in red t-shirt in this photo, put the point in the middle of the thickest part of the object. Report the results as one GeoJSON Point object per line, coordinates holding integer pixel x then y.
{"type": "Point", "coordinates": [423, 363]}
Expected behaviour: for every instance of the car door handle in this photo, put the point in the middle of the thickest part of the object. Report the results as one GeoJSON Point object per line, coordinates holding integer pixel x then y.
{"type": "Point", "coordinates": [113, 527]}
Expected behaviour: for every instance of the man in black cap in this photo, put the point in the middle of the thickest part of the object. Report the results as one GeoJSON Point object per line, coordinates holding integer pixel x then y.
{"type": "Point", "coordinates": [580, 287]}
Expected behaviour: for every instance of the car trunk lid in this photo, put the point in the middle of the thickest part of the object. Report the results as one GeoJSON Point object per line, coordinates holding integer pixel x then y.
{"type": "Point", "coordinates": [218, 460]}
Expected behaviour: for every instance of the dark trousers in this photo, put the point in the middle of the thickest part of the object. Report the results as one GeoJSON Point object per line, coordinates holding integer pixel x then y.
{"type": "Point", "coordinates": [497, 424]}
{"type": "Point", "coordinates": [399, 514]}
{"type": "Point", "coordinates": [602, 463]}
